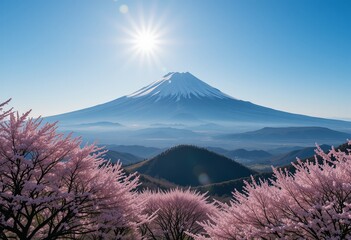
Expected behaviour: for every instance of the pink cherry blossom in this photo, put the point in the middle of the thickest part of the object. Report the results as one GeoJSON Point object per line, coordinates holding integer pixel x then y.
{"type": "Point", "coordinates": [51, 187]}
{"type": "Point", "coordinates": [177, 213]}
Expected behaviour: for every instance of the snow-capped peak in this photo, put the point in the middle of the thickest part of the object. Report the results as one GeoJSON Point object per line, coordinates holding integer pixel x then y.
{"type": "Point", "coordinates": [179, 85]}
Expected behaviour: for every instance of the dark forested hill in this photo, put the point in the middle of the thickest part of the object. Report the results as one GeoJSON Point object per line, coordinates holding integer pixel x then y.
{"type": "Point", "coordinates": [191, 166]}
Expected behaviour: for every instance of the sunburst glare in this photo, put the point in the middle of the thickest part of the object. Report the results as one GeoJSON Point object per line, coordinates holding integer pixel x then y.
{"type": "Point", "coordinates": [146, 41]}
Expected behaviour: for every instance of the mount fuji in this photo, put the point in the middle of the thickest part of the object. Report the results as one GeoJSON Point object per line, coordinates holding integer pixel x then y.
{"type": "Point", "coordinates": [181, 98]}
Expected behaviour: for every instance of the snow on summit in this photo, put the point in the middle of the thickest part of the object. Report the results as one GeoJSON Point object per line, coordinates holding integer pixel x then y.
{"type": "Point", "coordinates": [179, 85]}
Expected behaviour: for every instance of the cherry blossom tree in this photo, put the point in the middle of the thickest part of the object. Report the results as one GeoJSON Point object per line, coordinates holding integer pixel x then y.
{"type": "Point", "coordinates": [177, 213]}
{"type": "Point", "coordinates": [51, 188]}
{"type": "Point", "coordinates": [314, 203]}
{"type": "Point", "coordinates": [4, 113]}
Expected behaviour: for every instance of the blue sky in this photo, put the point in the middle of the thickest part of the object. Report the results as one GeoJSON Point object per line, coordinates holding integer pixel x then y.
{"type": "Point", "coordinates": [291, 55]}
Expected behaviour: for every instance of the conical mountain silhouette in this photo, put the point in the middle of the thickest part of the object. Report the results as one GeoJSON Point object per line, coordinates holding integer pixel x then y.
{"type": "Point", "coordinates": [181, 97]}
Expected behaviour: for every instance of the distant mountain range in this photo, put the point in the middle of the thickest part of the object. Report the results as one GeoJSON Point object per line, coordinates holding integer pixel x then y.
{"type": "Point", "coordinates": [287, 158]}
{"type": "Point", "coordinates": [261, 160]}
{"type": "Point", "coordinates": [289, 134]}
{"type": "Point", "coordinates": [141, 152]}
{"type": "Point", "coordinates": [191, 166]}
{"type": "Point", "coordinates": [124, 158]}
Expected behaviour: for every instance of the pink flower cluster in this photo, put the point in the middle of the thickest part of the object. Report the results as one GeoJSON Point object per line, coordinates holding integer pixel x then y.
{"type": "Point", "coordinates": [176, 213]}
{"type": "Point", "coordinates": [50, 187]}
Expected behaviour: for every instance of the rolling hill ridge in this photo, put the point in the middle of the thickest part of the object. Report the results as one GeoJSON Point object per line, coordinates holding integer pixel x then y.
{"type": "Point", "coordinates": [186, 165]}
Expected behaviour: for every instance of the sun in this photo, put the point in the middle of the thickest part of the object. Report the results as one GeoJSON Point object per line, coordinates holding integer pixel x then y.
{"type": "Point", "coordinates": [146, 42]}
